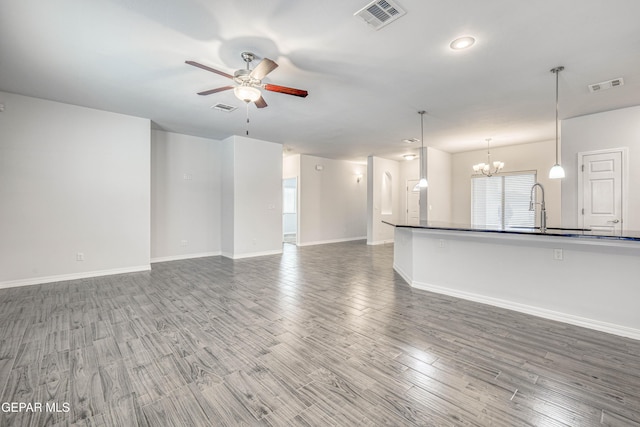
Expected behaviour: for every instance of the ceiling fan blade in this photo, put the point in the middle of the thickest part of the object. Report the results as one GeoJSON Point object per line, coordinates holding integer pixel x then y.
{"type": "Point", "coordinates": [288, 90]}
{"type": "Point", "coordinates": [260, 102]}
{"type": "Point", "coordinates": [216, 90]}
{"type": "Point", "coordinates": [213, 70]}
{"type": "Point", "coordinates": [263, 68]}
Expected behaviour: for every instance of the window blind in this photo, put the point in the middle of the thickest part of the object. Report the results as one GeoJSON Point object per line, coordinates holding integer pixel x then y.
{"type": "Point", "coordinates": [502, 201]}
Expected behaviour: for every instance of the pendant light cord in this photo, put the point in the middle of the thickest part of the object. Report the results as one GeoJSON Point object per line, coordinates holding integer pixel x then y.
{"type": "Point", "coordinates": [421, 112]}
{"type": "Point", "coordinates": [556, 71]}
{"type": "Point", "coordinates": [557, 78]}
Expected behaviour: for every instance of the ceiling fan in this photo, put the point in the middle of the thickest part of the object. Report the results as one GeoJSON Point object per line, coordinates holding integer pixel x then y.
{"type": "Point", "coordinates": [249, 82]}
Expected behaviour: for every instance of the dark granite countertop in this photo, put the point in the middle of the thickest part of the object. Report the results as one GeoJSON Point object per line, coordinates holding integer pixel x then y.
{"type": "Point", "coordinates": [550, 231]}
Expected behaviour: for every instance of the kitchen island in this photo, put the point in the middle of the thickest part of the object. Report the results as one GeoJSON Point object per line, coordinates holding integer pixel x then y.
{"type": "Point", "coordinates": [584, 278]}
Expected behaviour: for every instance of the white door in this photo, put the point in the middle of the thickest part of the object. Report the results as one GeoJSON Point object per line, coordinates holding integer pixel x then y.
{"type": "Point", "coordinates": [602, 190]}
{"type": "Point", "coordinates": [413, 203]}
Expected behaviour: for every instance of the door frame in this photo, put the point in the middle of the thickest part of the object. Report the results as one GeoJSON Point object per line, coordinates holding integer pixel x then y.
{"type": "Point", "coordinates": [297, 181]}
{"type": "Point", "coordinates": [624, 152]}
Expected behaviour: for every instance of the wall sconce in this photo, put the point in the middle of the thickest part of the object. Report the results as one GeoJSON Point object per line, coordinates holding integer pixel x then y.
{"type": "Point", "coordinates": [358, 177]}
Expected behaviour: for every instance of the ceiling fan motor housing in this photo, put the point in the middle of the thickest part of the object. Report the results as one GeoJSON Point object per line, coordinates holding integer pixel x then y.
{"type": "Point", "coordinates": [244, 78]}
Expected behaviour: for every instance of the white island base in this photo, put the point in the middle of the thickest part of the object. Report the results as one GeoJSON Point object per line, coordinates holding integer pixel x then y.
{"type": "Point", "coordinates": [586, 281]}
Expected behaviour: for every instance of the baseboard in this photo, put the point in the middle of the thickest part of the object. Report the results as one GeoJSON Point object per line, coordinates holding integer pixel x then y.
{"type": "Point", "coordinates": [402, 274]}
{"type": "Point", "coordinates": [380, 242]}
{"type": "Point", "coordinates": [251, 254]}
{"type": "Point", "coordinates": [584, 322]}
{"type": "Point", "coordinates": [184, 256]}
{"type": "Point", "coordinates": [74, 276]}
{"type": "Point", "coordinates": [325, 242]}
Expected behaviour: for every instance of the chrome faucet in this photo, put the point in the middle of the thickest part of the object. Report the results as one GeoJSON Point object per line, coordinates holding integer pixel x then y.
{"type": "Point", "coordinates": [543, 211]}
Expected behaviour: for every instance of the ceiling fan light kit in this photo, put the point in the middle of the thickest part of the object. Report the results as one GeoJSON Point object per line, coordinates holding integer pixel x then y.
{"type": "Point", "coordinates": [247, 93]}
{"type": "Point", "coordinates": [248, 82]}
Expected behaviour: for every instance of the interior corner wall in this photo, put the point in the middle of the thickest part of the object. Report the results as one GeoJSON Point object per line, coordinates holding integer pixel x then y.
{"type": "Point", "coordinates": [227, 197]}
{"type": "Point", "coordinates": [74, 184]}
{"type": "Point", "coordinates": [333, 204]}
{"type": "Point", "coordinates": [185, 196]}
{"type": "Point", "coordinates": [610, 129]}
{"type": "Point", "coordinates": [251, 197]}
{"type": "Point", "coordinates": [537, 156]}
{"type": "Point", "coordinates": [377, 231]}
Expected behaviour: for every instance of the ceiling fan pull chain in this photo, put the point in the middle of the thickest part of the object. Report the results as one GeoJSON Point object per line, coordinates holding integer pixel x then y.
{"type": "Point", "coordinates": [247, 118]}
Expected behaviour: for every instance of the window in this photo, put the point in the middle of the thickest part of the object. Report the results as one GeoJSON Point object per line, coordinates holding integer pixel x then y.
{"type": "Point", "coordinates": [502, 201]}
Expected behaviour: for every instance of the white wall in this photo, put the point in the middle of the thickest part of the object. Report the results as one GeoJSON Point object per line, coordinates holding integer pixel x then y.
{"type": "Point", "coordinates": [332, 204]}
{"type": "Point", "coordinates": [439, 192]}
{"type": "Point", "coordinates": [185, 196]}
{"type": "Point", "coordinates": [227, 199]}
{"type": "Point", "coordinates": [378, 232]}
{"type": "Point", "coordinates": [611, 129]}
{"type": "Point", "coordinates": [72, 179]}
{"type": "Point", "coordinates": [539, 156]}
{"type": "Point", "coordinates": [291, 166]}
{"type": "Point", "coordinates": [439, 177]}
{"type": "Point", "coordinates": [251, 197]}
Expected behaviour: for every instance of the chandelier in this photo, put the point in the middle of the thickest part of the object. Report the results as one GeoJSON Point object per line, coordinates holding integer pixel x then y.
{"type": "Point", "coordinates": [489, 168]}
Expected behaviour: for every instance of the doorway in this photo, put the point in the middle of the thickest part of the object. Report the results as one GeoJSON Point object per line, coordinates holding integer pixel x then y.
{"type": "Point", "coordinates": [290, 210]}
{"type": "Point", "coordinates": [413, 203]}
{"type": "Point", "coordinates": [602, 186]}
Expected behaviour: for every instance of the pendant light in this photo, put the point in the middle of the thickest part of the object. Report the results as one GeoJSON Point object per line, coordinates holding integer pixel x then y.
{"type": "Point", "coordinates": [423, 176]}
{"type": "Point", "coordinates": [557, 172]}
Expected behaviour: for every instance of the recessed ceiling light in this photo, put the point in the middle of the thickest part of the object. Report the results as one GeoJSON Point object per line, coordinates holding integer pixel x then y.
{"type": "Point", "coordinates": [411, 140]}
{"type": "Point", "coordinates": [409, 156]}
{"type": "Point", "coordinates": [462, 43]}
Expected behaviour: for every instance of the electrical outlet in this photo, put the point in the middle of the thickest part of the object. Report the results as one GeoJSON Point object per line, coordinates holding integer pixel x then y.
{"type": "Point", "coordinates": [80, 256]}
{"type": "Point", "coordinates": [184, 242]}
{"type": "Point", "coordinates": [441, 243]}
{"type": "Point", "coordinates": [558, 255]}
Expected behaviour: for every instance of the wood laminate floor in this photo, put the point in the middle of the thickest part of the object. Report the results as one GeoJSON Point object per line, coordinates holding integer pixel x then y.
{"type": "Point", "coordinates": [319, 336]}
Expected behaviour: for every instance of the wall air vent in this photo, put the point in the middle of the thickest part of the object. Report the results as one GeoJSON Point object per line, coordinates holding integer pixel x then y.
{"type": "Point", "coordinates": [379, 13]}
{"type": "Point", "coordinates": [609, 84]}
{"type": "Point", "coordinates": [224, 107]}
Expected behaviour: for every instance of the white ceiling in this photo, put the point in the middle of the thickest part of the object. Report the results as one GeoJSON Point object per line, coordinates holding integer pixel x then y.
{"type": "Point", "coordinates": [365, 86]}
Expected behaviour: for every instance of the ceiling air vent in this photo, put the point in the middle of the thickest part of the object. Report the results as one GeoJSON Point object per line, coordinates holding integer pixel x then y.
{"type": "Point", "coordinates": [224, 107]}
{"type": "Point", "coordinates": [597, 87]}
{"type": "Point", "coordinates": [379, 13]}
